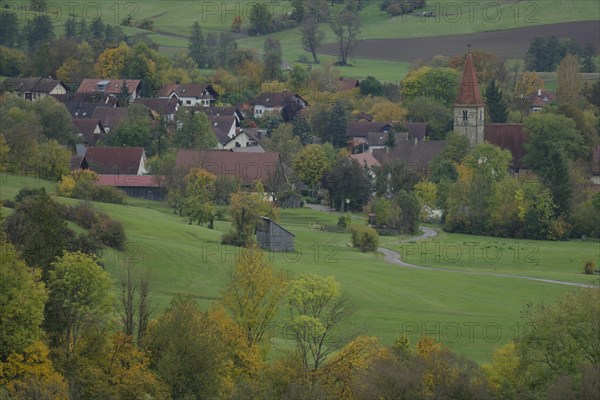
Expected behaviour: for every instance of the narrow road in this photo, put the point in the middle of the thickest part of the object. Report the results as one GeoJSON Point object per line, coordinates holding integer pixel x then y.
{"type": "Point", "coordinates": [394, 257]}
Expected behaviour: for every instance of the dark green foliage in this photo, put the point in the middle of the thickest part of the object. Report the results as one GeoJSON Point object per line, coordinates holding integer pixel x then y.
{"type": "Point", "coordinates": [438, 116]}
{"type": "Point", "coordinates": [370, 86]}
{"type": "Point", "coordinates": [496, 104]}
{"type": "Point", "coordinates": [409, 213]}
{"type": "Point", "coordinates": [592, 93]}
{"type": "Point", "coordinates": [9, 29]}
{"type": "Point", "coordinates": [347, 179]}
{"type": "Point", "coordinates": [37, 229]}
{"type": "Point", "coordinates": [364, 238]}
{"type": "Point", "coordinates": [587, 63]}
{"type": "Point", "coordinates": [272, 59]}
{"type": "Point", "coordinates": [29, 192]}
{"type": "Point", "coordinates": [545, 54]}
{"type": "Point", "coordinates": [225, 186]}
{"type": "Point", "coordinates": [70, 27]}
{"type": "Point", "coordinates": [261, 19]}
{"type": "Point", "coordinates": [86, 190]}
{"type": "Point", "coordinates": [399, 7]}
{"type": "Point", "coordinates": [38, 30]}
{"type": "Point", "coordinates": [337, 122]}
{"type": "Point", "coordinates": [302, 129]}
{"type": "Point", "coordinates": [197, 46]}
{"type": "Point", "coordinates": [344, 221]}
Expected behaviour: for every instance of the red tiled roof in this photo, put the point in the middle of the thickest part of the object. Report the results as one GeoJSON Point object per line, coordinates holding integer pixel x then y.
{"type": "Point", "coordinates": [468, 92]}
{"type": "Point", "coordinates": [113, 160]}
{"type": "Point", "coordinates": [248, 167]}
{"type": "Point", "coordinates": [416, 155]}
{"type": "Point", "coordinates": [511, 137]}
{"type": "Point", "coordinates": [162, 106]}
{"type": "Point", "coordinates": [365, 159]}
{"type": "Point", "coordinates": [129, 180]}
{"type": "Point", "coordinates": [89, 86]}
{"type": "Point", "coordinates": [188, 90]}
{"type": "Point", "coordinates": [86, 128]}
{"type": "Point", "coordinates": [110, 116]}
{"type": "Point", "coordinates": [362, 128]}
{"type": "Point", "coordinates": [345, 84]}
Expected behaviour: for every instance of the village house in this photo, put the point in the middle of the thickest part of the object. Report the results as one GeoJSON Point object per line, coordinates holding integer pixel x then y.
{"type": "Point", "coordinates": [115, 160]}
{"type": "Point", "coordinates": [110, 117]}
{"type": "Point", "coordinates": [248, 167]}
{"type": "Point", "coordinates": [160, 107]}
{"type": "Point", "coordinates": [190, 94]}
{"type": "Point", "coordinates": [415, 155]}
{"type": "Point", "coordinates": [538, 100]}
{"type": "Point", "coordinates": [34, 88]}
{"type": "Point", "coordinates": [92, 89]}
{"type": "Point", "coordinates": [89, 131]}
{"type": "Point", "coordinates": [273, 102]}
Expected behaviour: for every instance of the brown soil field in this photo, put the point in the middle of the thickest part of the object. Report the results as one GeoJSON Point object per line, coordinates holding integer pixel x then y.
{"type": "Point", "coordinates": [507, 44]}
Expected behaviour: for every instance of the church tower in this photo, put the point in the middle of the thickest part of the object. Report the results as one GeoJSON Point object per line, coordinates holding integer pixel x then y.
{"type": "Point", "coordinates": [468, 107]}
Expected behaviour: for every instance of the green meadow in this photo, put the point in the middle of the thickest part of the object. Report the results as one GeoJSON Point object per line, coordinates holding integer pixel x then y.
{"type": "Point", "coordinates": [474, 314]}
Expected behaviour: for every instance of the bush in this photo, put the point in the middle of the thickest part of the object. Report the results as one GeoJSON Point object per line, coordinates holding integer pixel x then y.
{"type": "Point", "coordinates": [109, 232]}
{"type": "Point", "coordinates": [108, 194]}
{"type": "Point", "coordinates": [84, 215]}
{"type": "Point", "coordinates": [344, 221]}
{"type": "Point", "coordinates": [365, 238]}
{"type": "Point", "coordinates": [589, 267]}
{"type": "Point", "coordinates": [27, 192]}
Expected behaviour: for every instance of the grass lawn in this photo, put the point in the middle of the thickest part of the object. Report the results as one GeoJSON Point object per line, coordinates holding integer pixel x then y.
{"type": "Point", "coordinates": [472, 314]}
{"type": "Point", "coordinates": [533, 258]}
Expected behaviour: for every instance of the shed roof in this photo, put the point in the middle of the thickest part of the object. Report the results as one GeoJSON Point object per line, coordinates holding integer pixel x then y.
{"type": "Point", "coordinates": [269, 220]}
{"type": "Point", "coordinates": [129, 180]}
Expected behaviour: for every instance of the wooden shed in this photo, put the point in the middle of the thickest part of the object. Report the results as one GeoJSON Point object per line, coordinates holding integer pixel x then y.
{"type": "Point", "coordinates": [274, 237]}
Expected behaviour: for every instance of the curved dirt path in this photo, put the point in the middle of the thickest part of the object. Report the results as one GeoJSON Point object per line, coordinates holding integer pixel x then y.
{"type": "Point", "coordinates": [394, 257]}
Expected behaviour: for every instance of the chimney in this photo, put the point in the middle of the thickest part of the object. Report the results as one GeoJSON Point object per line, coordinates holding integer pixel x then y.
{"type": "Point", "coordinates": [539, 92]}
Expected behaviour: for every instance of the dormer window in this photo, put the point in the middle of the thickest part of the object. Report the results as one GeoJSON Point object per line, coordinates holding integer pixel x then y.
{"type": "Point", "coordinates": [101, 86]}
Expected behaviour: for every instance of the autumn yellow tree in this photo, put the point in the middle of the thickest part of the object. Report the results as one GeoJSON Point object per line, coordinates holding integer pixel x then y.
{"type": "Point", "coordinates": [198, 203]}
{"type": "Point", "coordinates": [569, 79]}
{"type": "Point", "coordinates": [31, 375]}
{"type": "Point", "coordinates": [387, 111]}
{"type": "Point", "coordinates": [254, 294]}
{"type": "Point", "coordinates": [355, 358]}
{"type": "Point", "coordinates": [111, 63]}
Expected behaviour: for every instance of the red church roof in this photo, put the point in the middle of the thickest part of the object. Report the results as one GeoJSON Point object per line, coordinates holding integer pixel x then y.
{"type": "Point", "coordinates": [468, 92]}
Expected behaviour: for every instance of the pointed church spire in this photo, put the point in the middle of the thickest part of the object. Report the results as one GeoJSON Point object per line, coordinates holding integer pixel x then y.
{"type": "Point", "coordinates": [468, 92]}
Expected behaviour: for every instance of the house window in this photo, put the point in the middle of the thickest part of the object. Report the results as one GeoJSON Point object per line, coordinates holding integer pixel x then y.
{"type": "Point", "coordinates": [465, 116]}
{"type": "Point", "coordinates": [188, 102]}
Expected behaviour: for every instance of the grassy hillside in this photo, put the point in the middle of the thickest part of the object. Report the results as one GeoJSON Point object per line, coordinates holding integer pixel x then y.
{"type": "Point", "coordinates": [173, 21]}
{"type": "Point", "coordinates": [472, 314]}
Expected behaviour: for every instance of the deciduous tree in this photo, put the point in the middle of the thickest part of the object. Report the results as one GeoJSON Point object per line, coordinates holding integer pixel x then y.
{"type": "Point", "coordinates": [317, 308]}
{"type": "Point", "coordinates": [346, 26]}
{"type": "Point", "coordinates": [254, 295]}
{"type": "Point", "coordinates": [312, 36]}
